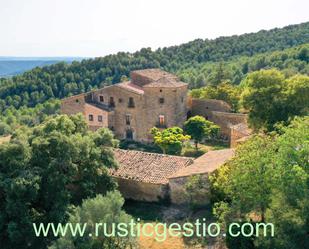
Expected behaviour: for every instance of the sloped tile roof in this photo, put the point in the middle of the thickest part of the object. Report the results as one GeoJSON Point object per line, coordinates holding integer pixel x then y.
{"type": "Point", "coordinates": [206, 163]}
{"type": "Point", "coordinates": [155, 74]}
{"type": "Point", "coordinates": [148, 167]}
{"type": "Point", "coordinates": [159, 78]}
{"type": "Point", "coordinates": [131, 87]}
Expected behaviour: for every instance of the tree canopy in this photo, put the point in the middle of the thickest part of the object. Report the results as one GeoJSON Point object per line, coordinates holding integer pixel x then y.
{"type": "Point", "coordinates": [46, 169]}
{"type": "Point", "coordinates": [270, 97]}
{"type": "Point", "coordinates": [98, 210]}
{"type": "Point", "coordinates": [199, 129]}
{"type": "Point", "coordinates": [170, 140]}
{"type": "Point", "coordinates": [267, 181]}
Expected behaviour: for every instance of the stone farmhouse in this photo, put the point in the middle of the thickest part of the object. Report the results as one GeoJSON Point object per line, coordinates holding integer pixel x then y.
{"type": "Point", "coordinates": [154, 98]}
{"type": "Point", "coordinates": [130, 109]}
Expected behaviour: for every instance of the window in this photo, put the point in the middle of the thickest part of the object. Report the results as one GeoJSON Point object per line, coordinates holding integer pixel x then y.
{"type": "Point", "coordinates": [160, 90]}
{"type": "Point", "coordinates": [131, 103]}
{"type": "Point", "coordinates": [161, 100]}
{"type": "Point", "coordinates": [101, 98]}
{"type": "Point", "coordinates": [76, 100]}
{"type": "Point", "coordinates": [100, 118]}
{"type": "Point", "coordinates": [90, 117]}
{"type": "Point", "coordinates": [111, 102]}
{"type": "Point", "coordinates": [128, 119]}
{"type": "Point", "coordinates": [120, 100]}
{"type": "Point", "coordinates": [182, 99]}
{"type": "Point", "coordinates": [161, 121]}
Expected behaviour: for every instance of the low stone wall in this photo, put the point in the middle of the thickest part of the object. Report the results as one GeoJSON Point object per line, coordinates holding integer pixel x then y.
{"type": "Point", "coordinates": [142, 191]}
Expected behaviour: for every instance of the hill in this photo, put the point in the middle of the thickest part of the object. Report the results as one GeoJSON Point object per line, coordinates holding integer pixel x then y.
{"type": "Point", "coordinates": [60, 80]}
{"type": "Point", "coordinates": [10, 66]}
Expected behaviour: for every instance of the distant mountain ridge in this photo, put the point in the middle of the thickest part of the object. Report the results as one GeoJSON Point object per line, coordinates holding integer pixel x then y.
{"type": "Point", "coordinates": [10, 66]}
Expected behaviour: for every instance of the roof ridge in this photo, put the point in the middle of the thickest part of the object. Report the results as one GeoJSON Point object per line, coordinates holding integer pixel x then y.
{"type": "Point", "coordinates": [153, 153]}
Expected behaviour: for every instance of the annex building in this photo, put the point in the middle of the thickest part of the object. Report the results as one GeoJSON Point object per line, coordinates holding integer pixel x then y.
{"type": "Point", "coordinates": [153, 177]}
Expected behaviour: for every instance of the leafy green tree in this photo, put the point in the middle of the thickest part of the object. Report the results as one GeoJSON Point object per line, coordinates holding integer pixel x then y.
{"type": "Point", "coordinates": [271, 98]}
{"type": "Point", "coordinates": [263, 97]}
{"type": "Point", "coordinates": [46, 169]}
{"type": "Point", "coordinates": [170, 140]}
{"type": "Point", "coordinates": [101, 209]}
{"type": "Point", "coordinates": [297, 95]}
{"type": "Point", "coordinates": [199, 129]}
{"type": "Point", "coordinates": [250, 178]}
{"type": "Point", "coordinates": [267, 181]}
{"type": "Point", "coordinates": [289, 208]}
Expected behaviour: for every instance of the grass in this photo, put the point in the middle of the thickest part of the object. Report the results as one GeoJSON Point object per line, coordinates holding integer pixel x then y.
{"type": "Point", "coordinates": [190, 151]}
{"type": "Point", "coordinates": [216, 145]}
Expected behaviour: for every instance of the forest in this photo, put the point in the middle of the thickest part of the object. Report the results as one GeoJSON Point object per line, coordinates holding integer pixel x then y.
{"type": "Point", "coordinates": [198, 62]}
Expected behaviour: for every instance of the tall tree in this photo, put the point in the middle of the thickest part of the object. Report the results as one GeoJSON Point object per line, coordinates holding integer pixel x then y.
{"type": "Point", "coordinates": [44, 170]}
{"type": "Point", "coordinates": [99, 210]}
{"type": "Point", "coordinates": [199, 128]}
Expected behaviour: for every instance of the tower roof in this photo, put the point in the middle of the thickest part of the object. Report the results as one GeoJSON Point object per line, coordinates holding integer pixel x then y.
{"type": "Point", "coordinates": [155, 78]}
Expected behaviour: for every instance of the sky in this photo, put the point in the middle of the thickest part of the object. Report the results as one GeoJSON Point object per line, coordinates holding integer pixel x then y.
{"type": "Point", "coordinates": [92, 28]}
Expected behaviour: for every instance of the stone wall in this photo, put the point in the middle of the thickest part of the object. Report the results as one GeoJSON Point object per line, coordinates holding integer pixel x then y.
{"type": "Point", "coordinates": [225, 120]}
{"type": "Point", "coordinates": [146, 111]}
{"type": "Point", "coordinates": [118, 121]}
{"type": "Point", "coordinates": [205, 107]}
{"type": "Point", "coordinates": [141, 191]}
{"type": "Point", "coordinates": [239, 134]}
{"type": "Point", "coordinates": [73, 105]}
{"type": "Point", "coordinates": [95, 112]}
{"type": "Point", "coordinates": [174, 108]}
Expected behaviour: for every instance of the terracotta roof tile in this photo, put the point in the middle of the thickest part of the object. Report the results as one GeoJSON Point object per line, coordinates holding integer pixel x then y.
{"type": "Point", "coordinates": [130, 86]}
{"type": "Point", "coordinates": [206, 163]}
{"type": "Point", "coordinates": [159, 78]}
{"type": "Point", "coordinates": [148, 167]}
{"type": "Point", "coordinates": [155, 74]}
